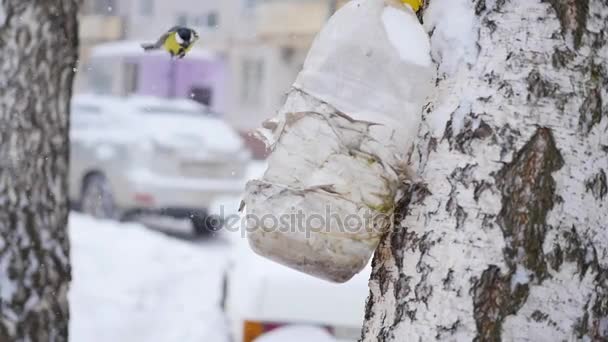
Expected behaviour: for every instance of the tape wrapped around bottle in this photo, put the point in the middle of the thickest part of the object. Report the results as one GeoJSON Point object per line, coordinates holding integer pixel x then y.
{"type": "Point", "coordinates": [340, 141]}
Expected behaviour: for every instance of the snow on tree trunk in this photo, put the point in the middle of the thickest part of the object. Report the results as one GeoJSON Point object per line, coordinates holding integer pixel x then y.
{"type": "Point", "coordinates": [504, 234]}
{"type": "Point", "coordinates": [38, 53]}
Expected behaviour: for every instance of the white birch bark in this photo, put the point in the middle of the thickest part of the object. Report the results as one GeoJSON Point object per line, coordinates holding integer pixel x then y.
{"type": "Point", "coordinates": [505, 235]}
{"type": "Point", "coordinates": [38, 52]}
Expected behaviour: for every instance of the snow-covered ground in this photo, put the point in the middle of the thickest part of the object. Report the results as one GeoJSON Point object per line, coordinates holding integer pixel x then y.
{"type": "Point", "coordinates": [134, 284]}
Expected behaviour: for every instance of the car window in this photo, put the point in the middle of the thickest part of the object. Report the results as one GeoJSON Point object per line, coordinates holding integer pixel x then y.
{"type": "Point", "coordinates": [85, 116]}
{"type": "Point", "coordinates": [86, 109]}
{"type": "Point", "coordinates": [174, 110]}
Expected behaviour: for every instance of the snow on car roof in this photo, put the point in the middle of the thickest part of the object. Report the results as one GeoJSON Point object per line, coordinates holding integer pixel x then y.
{"type": "Point", "coordinates": [128, 48]}
{"type": "Point", "coordinates": [139, 101]}
{"type": "Point", "coordinates": [218, 135]}
{"type": "Point", "coordinates": [177, 103]}
{"type": "Point", "coordinates": [97, 100]}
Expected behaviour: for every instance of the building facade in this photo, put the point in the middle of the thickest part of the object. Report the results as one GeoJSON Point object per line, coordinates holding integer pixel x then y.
{"type": "Point", "coordinates": [100, 21]}
{"type": "Point", "coordinates": [262, 43]}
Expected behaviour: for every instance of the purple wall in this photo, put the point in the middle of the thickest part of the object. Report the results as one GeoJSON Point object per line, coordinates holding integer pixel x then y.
{"type": "Point", "coordinates": [155, 79]}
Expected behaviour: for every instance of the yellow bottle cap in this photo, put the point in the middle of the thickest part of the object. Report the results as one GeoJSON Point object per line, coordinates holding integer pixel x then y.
{"type": "Point", "coordinates": [415, 4]}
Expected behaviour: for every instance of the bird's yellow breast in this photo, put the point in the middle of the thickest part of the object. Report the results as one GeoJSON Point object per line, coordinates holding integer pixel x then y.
{"type": "Point", "coordinates": [173, 46]}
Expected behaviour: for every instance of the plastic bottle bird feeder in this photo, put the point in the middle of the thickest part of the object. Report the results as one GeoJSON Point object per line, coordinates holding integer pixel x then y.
{"type": "Point", "coordinates": [340, 141]}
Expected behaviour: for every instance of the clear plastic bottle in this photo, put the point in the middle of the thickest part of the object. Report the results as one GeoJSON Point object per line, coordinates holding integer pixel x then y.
{"type": "Point", "coordinates": [340, 141]}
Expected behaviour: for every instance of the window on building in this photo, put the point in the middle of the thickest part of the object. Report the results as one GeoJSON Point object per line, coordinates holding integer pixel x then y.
{"type": "Point", "coordinates": [252, 74]}
{"type": "Point", "coordinates": [245, 76]}
{"type": "Point", "coordinates": [248, 4]}
{"type": "Point", "coordinates": [99, 7]}
{"type": "Point", "coordinates": [212, 19]}
{"type": "Point", "coordinates": [209, 20]}
{"type": "Point", "coordinates": [85, 116]}
{"type": "Point", "coordinates": [202, 95]}
{"type": "Point", "coordinates": [194, 21]}
{"type": "Point", "coordinates": [131, 77]}
{"type": "Point", "coordinates": [146, 7]}
{"type": "Point", "coordinates": [182, 19]}
{"type": "Point", "coordinates": [100, 78]}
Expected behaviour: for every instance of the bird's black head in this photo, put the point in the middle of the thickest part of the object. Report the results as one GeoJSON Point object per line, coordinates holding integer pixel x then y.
{"type": "Point", "coordinates": [185, 34]}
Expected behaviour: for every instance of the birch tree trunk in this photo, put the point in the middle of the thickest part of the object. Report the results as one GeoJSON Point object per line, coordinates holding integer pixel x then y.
{"type": "Point", "coordinates": [38, 54]}
{"type": "Point", "coordinates": [504, 236]}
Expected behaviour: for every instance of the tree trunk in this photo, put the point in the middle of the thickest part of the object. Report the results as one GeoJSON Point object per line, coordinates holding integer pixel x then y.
{"type": "Point", "coordinates": [38, 55]}
{"type": "Point", "coordinates": [504, 236]}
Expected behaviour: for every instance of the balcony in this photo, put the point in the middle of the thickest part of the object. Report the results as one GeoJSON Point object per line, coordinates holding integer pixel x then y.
{"type": "Point", "coordinates": [286, 20]}
{"type": "Point", "coordinates": [101, 27]}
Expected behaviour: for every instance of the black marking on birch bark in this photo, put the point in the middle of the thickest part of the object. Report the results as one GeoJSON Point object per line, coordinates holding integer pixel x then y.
{"type": "Point", "coordinates": [581, 327]}
{"type": "Point", "coordinates": [591, 109]}
{"type": "Point", "coordinates": [465, 177]}
{"type": "Point", "coordinates": [401, 283]}
{"type": "Point", "coordinates": [540, 87]}
{"type": "Point", "coordinates": [369, 303]}
{"type": "Point", "coordinates": [424, 148]}
{"type": "Point", "coordinates": [599, 310]}
{"type": "Point", "coordinates": [573, 16]}
{"type": "Point", "coordinates": [542, 317]}
{"type": "Point", "coordinates": [480, 188]}
{"type": "Point", "coordinates": [598, 185]}
{"type": "Point", "coordinates": [480, 6]}
{"type": "Point", "coordinates": [528, 189]}
{"type": "Point", "coordinates": [575, 251]}
{"type": "Point", "coordinates": [488, 221]}
{"type": "Point", "coordinates": [446, 331]}
{"type": "Point", "coordinates": [556, 257]}
{"type": "Point", "coordinates": [402, 290]}
{"type": "Point", "coordinates": [474, 128]}
{"type": "Point", "coordinates": [448, 280]}
{"type": "Point", "coordinates": [539, 316]}
{"type": "Point", "coordinates": [383, 282]}
{"type": "Point", "coordinates": [423, 290]}
{"type": "Point", "coordinates": [506, 139]}
{"type": "Point", "coordinates": [562, 57]}
{"type": "Point", "coordinates": [591, 324]}
{"type": "Point", "coordinates": [456, 210]}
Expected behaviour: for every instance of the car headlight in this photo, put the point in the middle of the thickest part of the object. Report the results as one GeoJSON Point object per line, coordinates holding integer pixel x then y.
{"type": "Point", "coordinates": [140, 150]}
{"type": "Point", "coordinates": [144, 145]}
{"type": "Point", "coordinates": [105, 152]}
{"type": "Point", "coordinates": [163, 148]}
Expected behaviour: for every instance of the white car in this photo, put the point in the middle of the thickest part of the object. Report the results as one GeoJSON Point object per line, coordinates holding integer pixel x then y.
{"type": "Point", "coordinates": [150, 155]}
{"type": "Point", "coordinates": [267, 301]}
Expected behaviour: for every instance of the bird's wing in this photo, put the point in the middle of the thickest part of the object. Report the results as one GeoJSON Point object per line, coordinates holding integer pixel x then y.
{"type": "Point", "coordinates": [173, 29]}
{"type": "Point", "coordinates": [164, 37]}
{"type": "Point", "coordinates": [159, 43]}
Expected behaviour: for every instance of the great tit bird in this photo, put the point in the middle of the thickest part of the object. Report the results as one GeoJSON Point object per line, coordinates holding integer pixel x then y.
{"type": "Point", "coordinates": [177, 41]}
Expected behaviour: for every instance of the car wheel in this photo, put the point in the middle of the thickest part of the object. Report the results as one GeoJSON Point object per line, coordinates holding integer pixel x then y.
{"type": "Point", "coordinates": [97, 199]}
{"type": "Point", "coordinates": [205, 224]}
